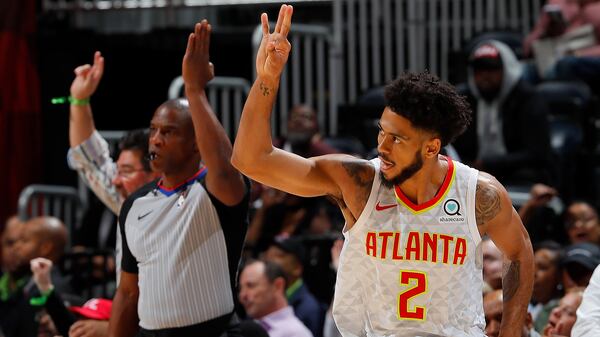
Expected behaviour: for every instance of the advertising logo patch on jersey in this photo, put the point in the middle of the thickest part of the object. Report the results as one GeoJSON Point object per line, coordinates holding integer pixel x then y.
{"type": "Point", "coordinates": [452, 210]}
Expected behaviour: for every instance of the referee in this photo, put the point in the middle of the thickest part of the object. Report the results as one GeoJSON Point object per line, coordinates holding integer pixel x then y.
{"type": "Point", "coordinates": [183, 234]}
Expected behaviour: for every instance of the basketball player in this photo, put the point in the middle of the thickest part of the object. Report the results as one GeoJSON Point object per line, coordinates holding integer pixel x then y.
{"type": "Point", "coordinates": [414, 219]}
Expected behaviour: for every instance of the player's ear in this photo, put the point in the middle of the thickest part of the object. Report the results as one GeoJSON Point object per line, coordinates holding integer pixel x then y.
{"type": "Point", "coordinates": [432, 147]}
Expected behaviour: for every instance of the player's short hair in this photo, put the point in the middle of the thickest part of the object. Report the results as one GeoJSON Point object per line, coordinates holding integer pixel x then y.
{"type": "Point", "coordinates": [137, 140]}
{"type": "Point", "coordinates": [429, 104]}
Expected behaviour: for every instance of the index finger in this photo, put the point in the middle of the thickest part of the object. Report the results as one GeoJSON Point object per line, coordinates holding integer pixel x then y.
{"type": "Point", "coordinates": [264, 19]}
{"type": "Point", "coordinates": [287, 21]}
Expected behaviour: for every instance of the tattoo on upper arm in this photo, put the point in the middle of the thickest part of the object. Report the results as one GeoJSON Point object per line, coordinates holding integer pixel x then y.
{"type": "Point", "coordinates": [510, 279]}
{"type": "Point", "coordinates": [356, 170]}
{"type": "Point", "coordinates": [266, 91]}
{"type": "Point", "coordinates": [487, 203]}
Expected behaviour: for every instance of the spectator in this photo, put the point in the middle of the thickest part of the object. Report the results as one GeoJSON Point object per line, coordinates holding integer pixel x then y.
{"type": "Point", "coordinates": [38, 237]}
{"type": "Point", "coordinates": [542, 221]}
{"type": "Point", "coordinates": [582, 223]}
{"type": "Point", "coordinates": [89, 320]}
{"type": "Point", "coordinates": [329, 328]}
{"type": "Point", "coordinates": [501, 140]}
{"type": "Point", "coordinates": [281, 215]}
{"type": "Point", "coordinates": [575, 61]}
{"type": "Point", "coordinates": [563, 317]}
{"type": "Point", "coordinates": [303, 136]}
{"type": "Point", "coordinates": [588, 313]}
{"type": "Point", "coordinates": [579, 263]}
{"type": "Point", "coordinates": [262, 293]}
{"type": "Point", "coordinates": [90, 156]}
{"type": "Point", "coordinates": [9, 239]}
{"type": "Point", "coordinates": [290, 255]}
{"type": "Point", "coordinates": [492, 264]}
{"type": "Point", "coordinates": [493, 310]}
{"type": "Point", "coordinates": [547, 287]}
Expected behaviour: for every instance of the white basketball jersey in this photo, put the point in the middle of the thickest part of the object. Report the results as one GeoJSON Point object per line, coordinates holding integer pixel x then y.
{"type": "Point", "coordinates": [413, 270]}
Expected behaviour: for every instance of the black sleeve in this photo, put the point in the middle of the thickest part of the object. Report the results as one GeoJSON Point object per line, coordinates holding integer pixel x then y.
{"type": "Point", "coordinates": [61, 316]}
{"type": "Point", "coordinates": [234, 222]}
{"type": "Point", "coordinates": [128, 261]}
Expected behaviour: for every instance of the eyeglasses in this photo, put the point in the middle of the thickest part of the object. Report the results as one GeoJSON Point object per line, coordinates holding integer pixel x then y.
{"type": "Point", "coordinates": [128, 173]}
{"type": "Point", "coordinates": [585, 220]}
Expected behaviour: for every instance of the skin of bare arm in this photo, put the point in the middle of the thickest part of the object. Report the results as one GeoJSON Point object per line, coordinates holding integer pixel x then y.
{"type": "Point", "coordinates": [124, 318]}
{"type": "Point", "coordinates": [497, 218]}
{"type": "Point", "coordinates": [81, 121]}
{"type": "Point", "coordinates": [343, 177]}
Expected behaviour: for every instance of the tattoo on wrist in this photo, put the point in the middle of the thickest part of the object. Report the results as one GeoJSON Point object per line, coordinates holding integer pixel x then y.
{"type": "Point", "coordinates": [487, 203]}
{"type": "Point", "coordinates": [510, 279]}
{"type": "Point", "coordinates": [266, 91]}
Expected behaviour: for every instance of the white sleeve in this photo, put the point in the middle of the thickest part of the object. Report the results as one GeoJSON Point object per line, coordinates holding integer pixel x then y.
{"type": "Point", "coordinates": [588, 313]}
{"type": "Point", "coordinates": [91, 159]}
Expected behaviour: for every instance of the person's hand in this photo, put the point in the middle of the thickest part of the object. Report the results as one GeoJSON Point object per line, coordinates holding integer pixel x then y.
{"type": "Point", "coordinates": [41, 267]}
{"type": "Point", "coordinates": [196, 68]}
{"type": "Point", "coordinates": [274, 47]}
{"type": "Point", "coordinates": [87, 78]}
{"type": "Point", "coordinates": [541, 194]}
{"type": "Point", "coordinates": [336, 251]}
{"type": "Point", "coordinates": [46, 327]}
{"type": "Point", "coordinates": [89, 328]}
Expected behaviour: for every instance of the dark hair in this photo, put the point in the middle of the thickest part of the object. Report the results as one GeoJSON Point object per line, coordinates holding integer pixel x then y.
{"type": "Point", "coordinates": [429, 104]}
{"type": "Point", "coordinates": [552, 246]}
{"type": "Point", "coordinates": [137, 140]}
{"type": "Point", "coordinates": [272, 270]}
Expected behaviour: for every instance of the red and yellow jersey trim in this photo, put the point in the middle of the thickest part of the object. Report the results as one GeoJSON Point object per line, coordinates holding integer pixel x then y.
{"type": "Point", "coordinates": [426, 206]}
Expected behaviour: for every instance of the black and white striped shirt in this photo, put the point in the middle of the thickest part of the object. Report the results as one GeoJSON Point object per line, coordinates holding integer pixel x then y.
{"type": "Point", "coordinates": [185, 246]}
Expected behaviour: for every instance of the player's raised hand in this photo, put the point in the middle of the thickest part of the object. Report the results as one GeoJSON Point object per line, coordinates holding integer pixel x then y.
{"type": "Point", "coordinates": [41, 267]}
{"type": "Point", "coordinates": [197, 70]}
{"type": "Point", "coordinates": [274, 47]}
{"type": "Point", "coordinates": [87, 78]}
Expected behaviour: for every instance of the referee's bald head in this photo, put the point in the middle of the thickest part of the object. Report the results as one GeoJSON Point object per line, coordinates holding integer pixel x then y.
{"type": "Point", "coordinates": [181, 108]}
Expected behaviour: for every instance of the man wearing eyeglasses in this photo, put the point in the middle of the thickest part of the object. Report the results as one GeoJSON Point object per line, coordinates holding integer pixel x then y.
{"type": "Point", "coordinates": [89, 154]}
{"type": "Point", "coordinates": [112, 182]}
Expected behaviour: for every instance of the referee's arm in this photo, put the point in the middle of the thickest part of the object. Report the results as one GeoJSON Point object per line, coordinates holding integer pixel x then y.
{"type": "Point", "coordinates": [223, 181]}
{"type": "Point", "coordinates": [124, 317]}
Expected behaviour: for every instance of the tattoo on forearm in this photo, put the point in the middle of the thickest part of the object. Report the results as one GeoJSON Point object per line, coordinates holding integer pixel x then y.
{"type": "Point", "coordinates": [487, 203]}
{"type": "Point", "coordinates": [510, 279]}
{"type": "Point", "coordinates": [266, 91]}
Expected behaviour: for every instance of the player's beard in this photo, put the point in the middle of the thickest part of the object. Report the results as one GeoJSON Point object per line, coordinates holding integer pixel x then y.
{"type": "Point", "coordinates": [405, 174]}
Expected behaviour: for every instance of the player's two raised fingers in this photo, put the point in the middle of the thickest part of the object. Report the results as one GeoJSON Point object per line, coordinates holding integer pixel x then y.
{"type": "Point", "coordinates": [287, 21]}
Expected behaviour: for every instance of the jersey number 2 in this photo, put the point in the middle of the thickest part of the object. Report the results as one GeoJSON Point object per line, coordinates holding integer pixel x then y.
{"type": "Point", "coordinates": [405, 310]}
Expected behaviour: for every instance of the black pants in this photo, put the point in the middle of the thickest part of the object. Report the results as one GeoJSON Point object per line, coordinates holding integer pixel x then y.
{"type": "Point", "coordinates": [223, 326]}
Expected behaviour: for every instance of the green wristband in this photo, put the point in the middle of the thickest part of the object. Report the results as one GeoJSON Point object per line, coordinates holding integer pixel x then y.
{"type": "Point", "coordinates": [76, 101]}
{"type": "Point", "coordinates": [41, 301]}
{"type": "Point", "coordinates": [72, 100]}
